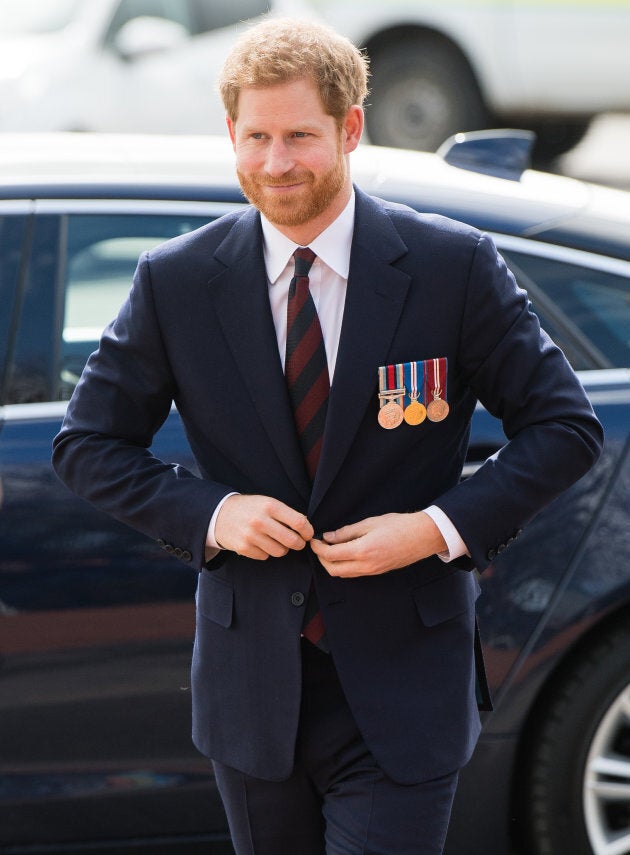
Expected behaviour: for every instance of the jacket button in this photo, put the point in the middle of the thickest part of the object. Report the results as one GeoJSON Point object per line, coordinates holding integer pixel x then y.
{"type": "Point", "coordinates": [492, 554]}
{"type": "Point", "coordinates": [297, 598]}
{"type": "Point", "coordinates": [187, 555]}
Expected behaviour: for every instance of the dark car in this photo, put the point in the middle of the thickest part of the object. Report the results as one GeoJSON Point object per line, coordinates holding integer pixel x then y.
{"type": "Point", "coordinates": [96, 622]}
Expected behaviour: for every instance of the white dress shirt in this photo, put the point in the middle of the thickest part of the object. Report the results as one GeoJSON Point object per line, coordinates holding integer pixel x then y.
{"type": "Point", "coordinates": [328, 282]}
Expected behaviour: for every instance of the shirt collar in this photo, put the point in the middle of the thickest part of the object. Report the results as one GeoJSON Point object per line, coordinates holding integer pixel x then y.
{"type": "Point", "coordinates": [332, 246]}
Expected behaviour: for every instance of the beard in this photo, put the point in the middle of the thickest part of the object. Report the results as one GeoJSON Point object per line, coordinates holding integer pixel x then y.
{"type": "Point", "coordinates": [300, 206]}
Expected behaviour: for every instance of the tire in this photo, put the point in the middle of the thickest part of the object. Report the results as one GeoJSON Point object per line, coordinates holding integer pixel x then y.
{"type": "Point", "coordinates": [556, 138]}
{"type": "Point", "coordinates": [575, 798]}
{"type": "Point", "coordinates": [422, 91]}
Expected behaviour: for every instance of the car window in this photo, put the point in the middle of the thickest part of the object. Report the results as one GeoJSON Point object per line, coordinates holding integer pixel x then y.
{"type": "Point", "coordinates": [97, 282]}
{"type": "Point", "coordinates": [585, 310]}
{"type": "Point", "coordinates": [79, 273]}
{"type": "Point", "coordinates": [212, 16]}
{"type": "Point", "coordinates": [196, 16]}
{"type": "Point", "coordinates": [31, 376]}
{"type": "Point", "coordinates": [12, 236]}
{"type": "Point", "coordinates": [171, 10]}
{"type": "Point", "coordinates": [102, 253]}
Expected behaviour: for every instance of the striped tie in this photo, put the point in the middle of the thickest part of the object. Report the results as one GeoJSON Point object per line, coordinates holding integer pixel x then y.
{"type": "Point", "coordinates": [305, 364]}
{"type": "Point", "coordinates": [306, 372]}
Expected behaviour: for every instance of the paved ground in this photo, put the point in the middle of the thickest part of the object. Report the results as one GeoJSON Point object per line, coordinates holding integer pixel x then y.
{"type": "Point", "coordinates": [603, 155]}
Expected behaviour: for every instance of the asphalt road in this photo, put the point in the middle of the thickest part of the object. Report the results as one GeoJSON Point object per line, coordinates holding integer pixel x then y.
{"type": "Point", "coordinates": [603, 155]}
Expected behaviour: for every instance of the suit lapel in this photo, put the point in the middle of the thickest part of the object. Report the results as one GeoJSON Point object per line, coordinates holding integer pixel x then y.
{"type": "Point", "coordinates": [374, 301]}
{"type": "Point", "coordinates": [241, 297]}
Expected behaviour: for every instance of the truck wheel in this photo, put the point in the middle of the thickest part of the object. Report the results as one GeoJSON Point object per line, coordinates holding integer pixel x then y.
{"type": "Point", "coordinates": [576, 790]}
{"type": "Point", "coordinates": [422, 91]}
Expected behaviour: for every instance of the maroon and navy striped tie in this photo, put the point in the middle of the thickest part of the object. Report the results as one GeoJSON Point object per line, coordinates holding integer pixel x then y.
{"type": "Point", "coordinates": [305, 364]}
{"type": "Point", "coordinates": [306, 371]}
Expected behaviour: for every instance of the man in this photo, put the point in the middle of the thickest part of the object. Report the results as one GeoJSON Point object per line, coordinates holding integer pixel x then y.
{"type": "Point", "coordinates": [348, 507]}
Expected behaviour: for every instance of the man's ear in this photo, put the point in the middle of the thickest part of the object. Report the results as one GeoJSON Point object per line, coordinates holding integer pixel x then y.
{"type": "Point", "coordinates": [352, 128]}
{"type": "Point", "coordinates": [231, 129]}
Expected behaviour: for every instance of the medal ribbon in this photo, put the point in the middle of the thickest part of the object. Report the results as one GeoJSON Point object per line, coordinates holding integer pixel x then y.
{"type": "Point", "coordinates": [435, 373]}
{"type": "Point", "coordinates": [411, 380]}
{"type": "Point", "coordinates": [390, 384]}
{"type": "Point", "coordinates": [400, 389]}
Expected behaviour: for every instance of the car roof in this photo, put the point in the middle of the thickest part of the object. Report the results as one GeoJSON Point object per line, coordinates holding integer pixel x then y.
{"type": "Point", "coordinates": [538, 205]}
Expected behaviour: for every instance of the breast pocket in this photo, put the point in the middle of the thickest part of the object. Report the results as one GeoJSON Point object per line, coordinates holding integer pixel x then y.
{"type": "Point", "coordinates": [215, 599]}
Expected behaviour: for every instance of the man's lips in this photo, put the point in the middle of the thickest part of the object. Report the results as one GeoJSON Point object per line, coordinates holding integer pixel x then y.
{"type": "Point", "coordinates": [282, 188]}
{"type": "Point", "coordinates": [289, 186]}
{"type": "Point", "coordinates": [287, 182]}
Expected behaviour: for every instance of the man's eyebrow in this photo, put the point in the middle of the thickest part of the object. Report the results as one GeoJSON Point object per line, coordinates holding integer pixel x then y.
{"type": "Point", "coordinates": [302, 125]}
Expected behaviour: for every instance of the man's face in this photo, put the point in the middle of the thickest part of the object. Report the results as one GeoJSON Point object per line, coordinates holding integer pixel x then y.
{"type": "Point", "coordinates": [291, 155]}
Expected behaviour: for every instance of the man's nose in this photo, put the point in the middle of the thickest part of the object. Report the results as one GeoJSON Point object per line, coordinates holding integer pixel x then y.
{"type": "Point", "coordinates": [279, 159]}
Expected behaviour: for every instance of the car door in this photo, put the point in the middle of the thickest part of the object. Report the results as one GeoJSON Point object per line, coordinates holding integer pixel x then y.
{"type": "Point", "coordinates": [96, 622]}
{"type": "Point", "coordinates": [583, 302]}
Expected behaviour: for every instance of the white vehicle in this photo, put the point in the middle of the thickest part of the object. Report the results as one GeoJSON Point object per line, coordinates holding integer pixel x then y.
{"type": "Point", "coordinates": [438, 66]}
{"type": "Point", "coordinates": [119, 65]}
{"type": "Point", "coordinates": [443, 66]}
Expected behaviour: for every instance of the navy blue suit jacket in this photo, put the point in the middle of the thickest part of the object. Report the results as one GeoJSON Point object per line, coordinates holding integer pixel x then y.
{"type": "Point", "coordinates": [197, 329]}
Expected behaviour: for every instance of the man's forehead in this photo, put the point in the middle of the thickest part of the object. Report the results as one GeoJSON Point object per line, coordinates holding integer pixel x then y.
{"type": "Point", "coordinates": [293, 93]}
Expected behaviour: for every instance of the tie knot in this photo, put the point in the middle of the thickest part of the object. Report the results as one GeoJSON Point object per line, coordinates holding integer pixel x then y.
{"type": "Point", "coordinates": [304, 258]}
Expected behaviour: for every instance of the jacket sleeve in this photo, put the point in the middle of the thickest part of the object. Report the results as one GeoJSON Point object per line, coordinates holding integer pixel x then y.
{"type": "Point", "coordinates": [522, 378]}
{"type": "Point", "coordinates": [102, 452]}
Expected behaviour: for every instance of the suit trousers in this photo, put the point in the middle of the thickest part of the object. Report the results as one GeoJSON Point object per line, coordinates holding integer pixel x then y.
{"type": "Point", "coordinates": [337, 800]}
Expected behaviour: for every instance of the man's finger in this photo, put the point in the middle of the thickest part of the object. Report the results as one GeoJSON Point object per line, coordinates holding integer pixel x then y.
{"type": "Point", "coordinates": [260, 526]}
{"type": "Point", "coordinates": [333, 552]}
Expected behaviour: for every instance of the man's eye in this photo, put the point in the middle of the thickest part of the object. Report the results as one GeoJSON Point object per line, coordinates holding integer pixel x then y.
{"type": "Point", "coordinates": [300, 134]}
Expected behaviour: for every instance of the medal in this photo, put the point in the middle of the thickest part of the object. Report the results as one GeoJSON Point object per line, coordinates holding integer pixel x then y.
{"type": "Point", "coordinates": [415, 411]}
{"type": "Point", "coordinates": [438, 408]}
{"type": "Point", "coordinates": [390, 414]}
{"type": "Point", "coordinates": [403, 398]}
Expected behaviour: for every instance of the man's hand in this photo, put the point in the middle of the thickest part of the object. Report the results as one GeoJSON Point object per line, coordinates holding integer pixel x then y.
{"type": "Point", "coordinates": [378, 544]}
{"type": "Point", "coordinates": [259, 527]}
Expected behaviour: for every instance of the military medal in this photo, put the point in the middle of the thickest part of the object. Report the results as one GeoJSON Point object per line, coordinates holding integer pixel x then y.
{"type": "Point", "coordinates": [390, 414]}
{"type": "Point", "coordinates": [415, 411]}
{"type": "Point", "coordinates": [435, 382]}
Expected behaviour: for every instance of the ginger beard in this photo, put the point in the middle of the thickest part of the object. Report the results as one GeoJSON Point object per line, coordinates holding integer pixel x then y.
{"type": "Point", "coordinates": [311, 198]}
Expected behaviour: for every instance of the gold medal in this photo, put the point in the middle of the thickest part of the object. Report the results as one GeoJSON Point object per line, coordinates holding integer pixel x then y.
{"type": "Point", "coordinates": [415, 413]}
{"type": "Point", "coordinates": [391, 415]}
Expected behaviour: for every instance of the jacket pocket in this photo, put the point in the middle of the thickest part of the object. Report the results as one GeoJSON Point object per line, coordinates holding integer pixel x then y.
{"type": "Point", "coordinates": [446, 597]}
{"type": "Point", "coordinates": [215, 599]}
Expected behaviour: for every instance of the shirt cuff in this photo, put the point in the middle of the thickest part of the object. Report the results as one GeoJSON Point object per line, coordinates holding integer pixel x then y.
{"type": "Point", "coordinates": [455, 546]}
{"type": "Point", "coordinates": [211, 541]}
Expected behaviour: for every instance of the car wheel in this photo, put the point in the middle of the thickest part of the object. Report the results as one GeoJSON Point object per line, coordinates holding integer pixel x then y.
{"type": "Point", "coordinates": [422, 91]}
{"type": "Point", "coordinates": [556, 138]}
{"type": "Point", "coordinates": [576, 794]}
